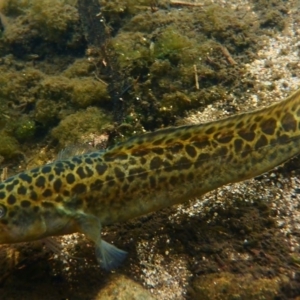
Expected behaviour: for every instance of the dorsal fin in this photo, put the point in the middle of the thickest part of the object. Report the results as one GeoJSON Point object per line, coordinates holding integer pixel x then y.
{"type": "Point", "coordinates": [73, 150]}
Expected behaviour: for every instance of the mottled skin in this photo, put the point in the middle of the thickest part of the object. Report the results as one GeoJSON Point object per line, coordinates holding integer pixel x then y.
{"type": "Point", "coordinates": [144, 174]}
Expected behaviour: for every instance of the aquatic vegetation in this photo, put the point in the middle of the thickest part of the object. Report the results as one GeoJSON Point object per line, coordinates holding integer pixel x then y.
{"type": "Point", "coordinates": [47, 112]}
{"type": "Point", "coordinates": [25, 129]}
{"type": "Point", "coordinates": [156, 57]}
{"type": "Point", "coordinates": [81, 67]}
{"type": "Point", "coordinates": [53, 19]}
{"type": "Point", "coordinates": [9, 146]}
{"type": "Point", "coordinates": [37, 23]}
{"type": "Point", "coordinates": [19, 87]}
{"type": "Point", "coordinates": [56, 88]}
{"type": "Point", "coordinates": [87, 91]}
{"type": "Point", "coordinates": [76, 128]}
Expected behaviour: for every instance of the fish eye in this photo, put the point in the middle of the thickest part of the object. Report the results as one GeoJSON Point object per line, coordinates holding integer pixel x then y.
{"type": "Point", "coordinates": [2, 211]}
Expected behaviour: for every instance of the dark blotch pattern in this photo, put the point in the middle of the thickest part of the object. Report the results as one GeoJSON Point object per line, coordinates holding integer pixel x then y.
{"type": "Point", "coordinates": [57, 185]}
{"type": "Point", "coordinates": [155, 163]}
{"type": "Point", "coordinates": [186, 136]}
{"type": "Point", "coordinates": [110, 180]}
{"type": "Point", "coordinates": [143, 160]}
{"type": "Point", "coordinates": [268, 126]}
{"type": "Point", "coordinates": [238, 145]}
{"type": "Point", "coordinates": [183, 163]}
{"type": "Point", "coordinates": [201, 144]}
{"type": "Point", "coordinates": [47, 193]}
{"type": "Point", "coordinates": [101, 169]}
{"type": "Point", "coordinates": [221, 151]}
{"type": "Point", "coordinates": [33, 195]}
{"type": "Point", "coordinates": [247, 135]}
{"type": "Point", "coordinates": [191, 151]}
{"type": "Point", "coordinates": [58, 170]}
{"type": "Point", "coordinates": [70, 178]}
{"type": "Point", "coordinates": [40, 181]}
{"type": "Point", "coordinates": [80, 172]}
{"type": "Point", "coordinates": [11, 199]}
{"type": "Point", "coordinates": [88, 160]}
{"type": "Point", "coordinates": [288, 122]}
{"type": "Point", "coordinates": [96, 185]}
{"type": "Point", "coordinates": [283, 139]}
{"type": "Point", "coordinates": [25, 203]}
{"type": "Point", "coordinates": [262, 141]}
{"type": "Point", "coordinates": [9, 187]}
{"type": "Point", "coordinates": [46, 169]}
{"type": "Point", "coordinates": [140, 152]}
{"type": "Point", "coordinates": [247, 150]}
{"type": "Point", "coordinates": [175, 148]}
{"type": "Point", "coordinates": [224, 138]}
{"type": "Point", "coordinates": [119, 173]}
{"type": "Point", "coordinates": [210, 130]}
{"type": "Point", "coordinates": [158, 150]}
{"type": "Point", "coordinates": [88, 171]}
{"type": "Point", "coordinates": [22, 190]}
{"type": "Point", "coordinates": [66, 193]}
{"type": "Point", "coordinates": [79, 188]}
{"type": "Point", "coordinates": [77, 160]}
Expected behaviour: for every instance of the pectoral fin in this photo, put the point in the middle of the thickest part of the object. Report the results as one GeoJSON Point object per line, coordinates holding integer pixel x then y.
{"type": "Point", "coordinates": [109, 256]}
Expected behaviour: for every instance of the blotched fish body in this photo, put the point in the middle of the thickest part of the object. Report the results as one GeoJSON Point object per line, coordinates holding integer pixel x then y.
{"type": "Point", "coordinates": [144, 174]}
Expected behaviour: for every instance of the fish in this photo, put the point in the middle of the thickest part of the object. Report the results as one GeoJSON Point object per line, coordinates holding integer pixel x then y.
{"type": "Point", "coordinates": [146, 173]}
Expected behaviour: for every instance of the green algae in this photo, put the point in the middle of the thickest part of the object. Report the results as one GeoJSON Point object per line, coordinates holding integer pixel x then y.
{"type": "Point", "coordinates": [25, 130]}
{"type": "Point", "coordinates": [53, 18]}
{"type": "Point", "coordinates": [81, 67]}
{"type": "Point", "coordinates": [19, 87]}
{"type": "Point", "coordinates": [161, 55]}
{"type": "Point", "coordinates": [158, 53]}
{"type": "Point", "coordinates": [47, 112]}
{"type": "Point", "coordinates": [77, 127]}
{"type": "Point", "coordinates": [37, 27]}
{"type": "Point", "coordinates": [87, 91]}
{"type": "Point", "coordinates": [9, 146]}
{"type": "Point", "coordinates": [56, 88]}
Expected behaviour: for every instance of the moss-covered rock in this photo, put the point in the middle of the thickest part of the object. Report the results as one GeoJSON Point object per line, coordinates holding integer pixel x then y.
{"type": "Point", "coordinates": [25, 129]}
{"type": "Point", "coordinates": [40, 26]}
{"type": "Point", "coordinates": [9, 146]}
{"type": "Point", "coordinates": [53, 18]}
{"type": "Point", "coordinates": [56, 88]}
{"type": "Point", "coordinates": [19, 87]}
{"type": "Point", "coordinates": [80, 68]}
{"type": "Point", "coordinates": [87, 91]}
{"type": "Point", "coordinates": [47, 112]}
{"type": "Point", "coordinates": [77, 127]}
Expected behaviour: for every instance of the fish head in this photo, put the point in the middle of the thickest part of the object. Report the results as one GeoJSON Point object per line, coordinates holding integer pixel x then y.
{"type": "Point", "coordinates": [20, 224]}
